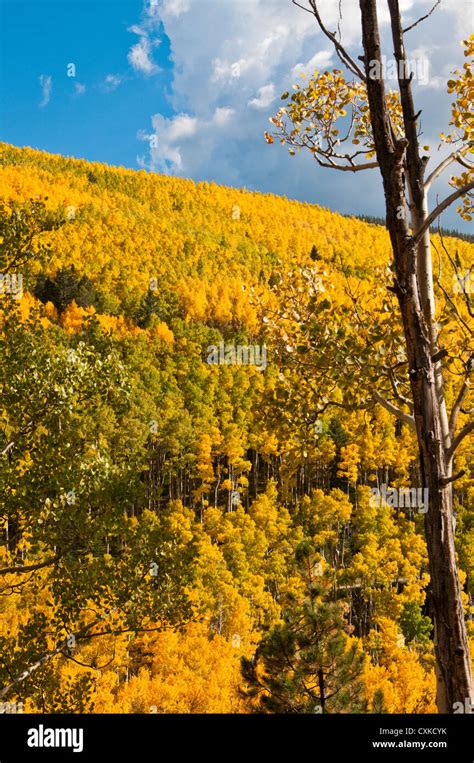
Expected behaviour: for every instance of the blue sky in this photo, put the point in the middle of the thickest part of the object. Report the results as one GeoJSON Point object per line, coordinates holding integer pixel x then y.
{"type": "Point", "coordinates": [187, 86]}
{"type": "Point", "coordinates": [86, 115]}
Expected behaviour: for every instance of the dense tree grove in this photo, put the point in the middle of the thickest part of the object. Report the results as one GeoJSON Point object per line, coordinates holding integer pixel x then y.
{"type": "Point", "coordinates": [186, 535]}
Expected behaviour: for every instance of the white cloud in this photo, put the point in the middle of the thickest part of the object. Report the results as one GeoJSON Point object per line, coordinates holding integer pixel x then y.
{"type": "Point", "coordinates": [79, 89]}
{"type": "Point", "coordinates": [321, 60]}
{"type": "Point", "coordinates": [229, 78]}
{"type": "Point", "coordinates": [222, 116]}
{"type": "Point", "coordinates": [139, 56]}
{"type": "Point", "coordinates": [232, 58]}
{"type": "Point", "coordinates": [266, 96]}
{"type": "Point", "coordinates": [182, 126]}
{"type": "Point", "coordinates": [46, 82]}
{"type": "Point", "coordinates": [171, 7]}
{"type": "Point", "coordinates": [166, 139]}
{"type": "Point", "coordinates": [227, 70]}
{"type": "Point", "coordinates": [140, 30]}
{"type": "Point", "coordinates": [112, 82]}
{"type": "Point", "coordinates": [171, 138]}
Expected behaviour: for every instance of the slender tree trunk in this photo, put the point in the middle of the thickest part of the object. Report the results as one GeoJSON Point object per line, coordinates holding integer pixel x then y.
{"type": "Point", "coordinates": [399, 163]}
{"type": "Point", "coordinates": [322, 690]}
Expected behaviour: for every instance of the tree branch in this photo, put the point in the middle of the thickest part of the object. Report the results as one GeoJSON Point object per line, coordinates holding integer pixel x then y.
{"type": "Point", "coordinates": [29, 568]}
{"type": "Point", "coordinates": [459, 438]}
{"type": "Point", "coordinates": [406, 418]}
{"type": "Point", "coordinates": [440, 168]}
{"type": "Point", "coordinates": [440, 209]}
{"type": "Point", "coordinates": [423, 18]}
{"type": "Point", "coordinates": [448, 480]}
{"type": "Point", "coordinates": [459, 279]}
{"type": "Point", "coordinates": [344, 56]}
{"type": "Point", "coordinates": [46, 658]}
{"type": "Point", "coordinates": [457, 407]}
{"type": "Point", "coordinates": [455, 309]}
{"type": "Point", "coordinates": [401, 398]}
{"type": "Point", "coordinates": [87, 664]}
{"type": "Point", "coordinates": [347, 167]}
{"type": "Point", "coordinates": [460, 160]}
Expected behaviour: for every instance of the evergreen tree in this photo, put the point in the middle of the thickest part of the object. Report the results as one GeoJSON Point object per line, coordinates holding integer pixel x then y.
{"type": "Point", "coordinates": [149, 306]}
{"type": "Point", "coordinates": [307, 664]}
{"type": "Point", "coordinates": [415, 626]}
{"type": "Point", "coordinates": [66, 286]}
{"type": "Point", "coordinates": [378, 702]}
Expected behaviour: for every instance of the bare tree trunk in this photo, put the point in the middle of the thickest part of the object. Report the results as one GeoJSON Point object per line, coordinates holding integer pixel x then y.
{"type": "Point", "coordinates": [414, 289]}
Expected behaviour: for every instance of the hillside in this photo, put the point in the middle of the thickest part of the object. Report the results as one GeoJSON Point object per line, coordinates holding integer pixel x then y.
{"type": "Point", "coordinates": [131, 227]}
{"type": "Point", "coordinates": [199, 507]}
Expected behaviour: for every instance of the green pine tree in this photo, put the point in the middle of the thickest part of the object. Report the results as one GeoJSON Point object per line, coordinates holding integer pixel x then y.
{"type": "Point", "coordinates": [307, 664]}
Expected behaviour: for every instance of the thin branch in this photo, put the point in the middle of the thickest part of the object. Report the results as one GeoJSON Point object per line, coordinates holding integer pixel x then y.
{"type": "Point", "coordinates": [46, 658]}
{"type": "Point", "coordinates": [8, 447]}
{"type": "Point", "coordinates": [467, 298]}
{"type": "Point", "coordinates": [455, 156]}
{"type": "Point", "coordinates": [457, 407]}
{"type": "Point", "coordinates": [406, 418]}
{"type": "Point", "coordinates": [30, 567]}
{"type": "Point", "coordinates": [455, 309]}
{"type": "Point", "coordinates": [87, 664]}
{"type": "Point", "coordinates": [347, 167]}
{"type": "Point", "coordinates": [463, 162]}
{"type": "Point", "coordinates": [308, 10]}
{"type": "Point", "coordinates": [423, 18]}
{"type": "Point", "coordinates": [15, 589]}
{"type": "Point", "coordinates": [401, 398]}
{"type": "Point", "coordinates": [459, 438]}
{"type": "Point", "coordinates": [344, 56]}
{"type": "Point", "coordinates": [448, 480]}
{"type": "Point", "coordinates": [437, 211]}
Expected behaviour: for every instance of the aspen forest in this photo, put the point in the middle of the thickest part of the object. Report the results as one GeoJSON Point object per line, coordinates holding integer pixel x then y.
{"type": "Point", "coordinates": [216, 490]}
